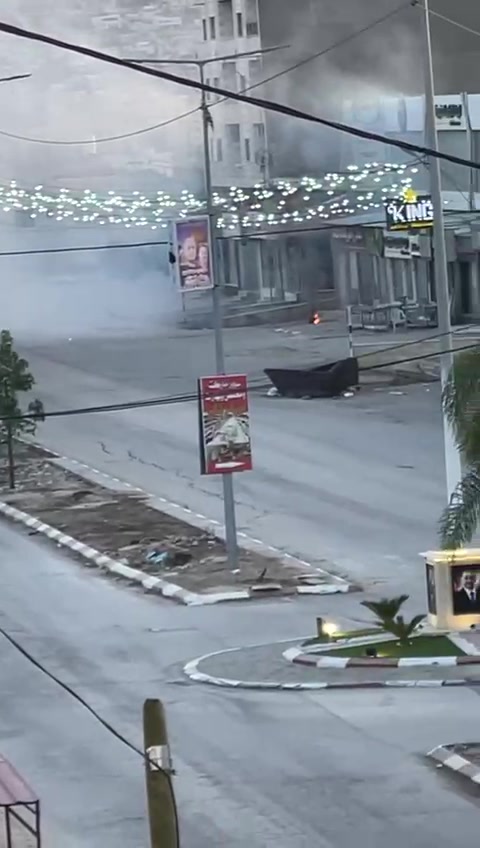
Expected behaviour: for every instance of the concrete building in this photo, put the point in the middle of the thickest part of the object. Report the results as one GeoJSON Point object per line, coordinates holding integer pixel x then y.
{"type": "Point", "coordinates": [374, 62]}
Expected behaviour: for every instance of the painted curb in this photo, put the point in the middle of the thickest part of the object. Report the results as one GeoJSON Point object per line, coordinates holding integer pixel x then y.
{"type": "Point", "coordinates": [191, 670]}
{"type": "Point", "coordinates": [148, 582]}
{"type": "Point", "coordinates": [299, 657]}
{"type": "Point", "coordinates": [443, 755]}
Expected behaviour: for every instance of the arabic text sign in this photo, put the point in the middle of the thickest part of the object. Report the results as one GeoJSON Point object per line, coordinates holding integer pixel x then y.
{"type": "Point", "coordinates": [409, 214]}
{"type": "Point", "coordinates": [225, 444]}
{"type": "Point", "coordinates": [193, 255]}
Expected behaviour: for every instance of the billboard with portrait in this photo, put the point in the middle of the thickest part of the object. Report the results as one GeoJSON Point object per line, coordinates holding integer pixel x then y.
{"type": "Point", "coordinates": [193, 254]}
{"type": "Point", "coordinates": [465, 589]}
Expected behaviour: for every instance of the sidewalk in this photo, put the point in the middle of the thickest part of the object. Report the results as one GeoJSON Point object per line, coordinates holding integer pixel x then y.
{"type": "Point", "coordinates": [264, 667]}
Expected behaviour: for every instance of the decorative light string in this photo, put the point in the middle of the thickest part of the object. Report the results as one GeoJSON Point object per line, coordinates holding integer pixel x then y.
{"type": "Point", "coordinates": [357, 190]}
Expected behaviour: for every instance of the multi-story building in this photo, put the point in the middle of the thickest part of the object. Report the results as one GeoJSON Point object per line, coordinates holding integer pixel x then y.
{"type": "Point", "coordinates": [362, 61]}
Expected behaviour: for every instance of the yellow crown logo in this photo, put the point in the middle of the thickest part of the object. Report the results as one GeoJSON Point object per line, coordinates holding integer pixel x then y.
{"type": "Point", "coordinates": [410, 195]}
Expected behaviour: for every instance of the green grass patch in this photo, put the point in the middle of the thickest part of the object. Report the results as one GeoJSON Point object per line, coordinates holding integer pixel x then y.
{"type": "Point", "coordinates": [419, 646]}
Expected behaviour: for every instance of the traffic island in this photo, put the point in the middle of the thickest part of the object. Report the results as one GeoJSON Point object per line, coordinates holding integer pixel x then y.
{"type": "Point", "coordinates": [461, 758]}
{"type": "Point", "coordinates": [146, 540]}
{"type": "Point", "coordinates": [265, 667]}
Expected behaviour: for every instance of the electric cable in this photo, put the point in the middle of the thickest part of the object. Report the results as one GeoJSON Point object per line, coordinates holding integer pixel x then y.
{"type": "Point", "coordinates": [187, 398]}
{"type": "Point", "coordinates": [93, 712]}
{"type": "Point", "coordinates": [92, 247]}
{"type": "Point", "coordinates": [273, 77]}
{"type": "Point", "coordinates": [267, 105]}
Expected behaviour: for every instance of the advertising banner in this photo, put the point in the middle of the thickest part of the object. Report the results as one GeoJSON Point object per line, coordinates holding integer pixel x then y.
{"type": "Point", "coordinates": [225, 444]}
{"type": "Point", "coordinates": [193, 254]}
{"type": "Point", "coordinates": [410, 212]}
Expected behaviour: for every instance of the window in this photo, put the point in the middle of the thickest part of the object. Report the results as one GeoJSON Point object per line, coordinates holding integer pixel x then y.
{"type": "Point", "coordinates": [204, 28]}
{"type": "Point", "coordinates": [247, 150]}
{"type": "Point", "coordinates": [219, 150]}
{"type": "Point", "coordinates": [254, 67]}
{"type": "Point", "coordinates": [259, 132]}
{"type": "Point", "coordinates": [216, 84]}
{"type": "Point", "coordinates": [239, 24]}
{"type": "Point", "coordinates": [233, 133]}
{"type": "Point", "coordinates": [252, 28]}
{"type": "Point", "coordinates": [225, 19]}
{"type": "Point", "coordinates": [213, 29]}
{"type": "Point", "coordinates": [208, 94]}
{"type": "Point", "coordinates": [242, 82]}
{"type": "Point", "coordinates": [229, 75]}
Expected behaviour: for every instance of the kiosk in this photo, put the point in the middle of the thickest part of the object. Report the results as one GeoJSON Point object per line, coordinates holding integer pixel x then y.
{"type": "Point", "coordinates": [453, 588]}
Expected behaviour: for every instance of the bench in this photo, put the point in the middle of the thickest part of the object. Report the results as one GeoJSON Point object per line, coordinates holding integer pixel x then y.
{"type": "Point", "coordinates": [16, 798]}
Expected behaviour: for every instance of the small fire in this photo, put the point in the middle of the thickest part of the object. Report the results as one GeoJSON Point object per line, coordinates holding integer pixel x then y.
{"type": "Point", "coordinates": [316, 318]}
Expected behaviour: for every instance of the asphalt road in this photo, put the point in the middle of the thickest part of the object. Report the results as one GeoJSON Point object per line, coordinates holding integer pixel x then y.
{"type": "Point", "coordinates": [358, 482]}
{"type": "Point", "coordinates": [288, 769]}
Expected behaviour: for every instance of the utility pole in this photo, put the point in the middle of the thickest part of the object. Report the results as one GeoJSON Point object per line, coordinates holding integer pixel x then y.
{"type": "Point", "coordinates": [453, 465]}
{"type": "Point", "coordinates": [227, 478]}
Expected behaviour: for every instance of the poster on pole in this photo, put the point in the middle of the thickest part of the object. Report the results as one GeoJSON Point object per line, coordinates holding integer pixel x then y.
{"type": "Point", "coordinates": [193, 254]}
{"type": "Point", "coordinates": [224, 424]}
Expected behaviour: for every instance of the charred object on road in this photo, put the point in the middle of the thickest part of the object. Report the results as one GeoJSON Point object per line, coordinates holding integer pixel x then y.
{"type": "Point", "coordinates": [322, 381]}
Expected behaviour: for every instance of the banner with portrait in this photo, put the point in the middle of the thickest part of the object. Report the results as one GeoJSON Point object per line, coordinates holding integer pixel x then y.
{"type": "Point", "coordinates": [193, 254]}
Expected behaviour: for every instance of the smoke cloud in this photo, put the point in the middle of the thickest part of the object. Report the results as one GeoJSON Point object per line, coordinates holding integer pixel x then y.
{"type": "Point", "coordinates": [71, 98]}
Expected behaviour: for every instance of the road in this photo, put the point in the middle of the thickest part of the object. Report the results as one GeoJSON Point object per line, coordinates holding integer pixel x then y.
{"type": "Point", "coordinates": [288, 769]}
{"type": "Point", "coordinates": [358, 482]}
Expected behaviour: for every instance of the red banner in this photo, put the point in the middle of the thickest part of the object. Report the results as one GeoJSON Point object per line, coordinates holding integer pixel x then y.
{"type": "Point", "coordinates": [225, 444]}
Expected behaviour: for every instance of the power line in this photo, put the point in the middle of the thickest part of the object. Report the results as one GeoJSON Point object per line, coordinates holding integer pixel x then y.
{"type": "Point", "coordinates": [187, 398]}
{"type": "Point", "coordinates": [267, 105]}
{"type": "Point", "coordinates": [301, 63]}
{"type": "Point", "coordinates": [448, 20]}
{"type": "Point", "coordinates": [40, 251]}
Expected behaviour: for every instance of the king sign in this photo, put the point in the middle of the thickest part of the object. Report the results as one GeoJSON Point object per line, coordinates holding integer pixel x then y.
{"type": "Point", "coordinates": [408, 213]}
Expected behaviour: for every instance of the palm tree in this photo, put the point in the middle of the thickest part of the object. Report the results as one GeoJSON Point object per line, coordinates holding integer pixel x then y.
{"type": "Point", "coordinates": [389, 620]}
{"type": "Point", "coordinates": [461, 405]}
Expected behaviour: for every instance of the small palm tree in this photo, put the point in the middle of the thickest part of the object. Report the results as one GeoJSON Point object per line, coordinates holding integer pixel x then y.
{"type": "Point", "coordinates": [388, 618]}
{"type": "Point", "coordinates": [461, 405]}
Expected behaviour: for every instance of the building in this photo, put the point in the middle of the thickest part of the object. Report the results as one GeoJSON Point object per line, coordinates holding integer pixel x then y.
{"type": "Point", "coordinates": [374, 63]}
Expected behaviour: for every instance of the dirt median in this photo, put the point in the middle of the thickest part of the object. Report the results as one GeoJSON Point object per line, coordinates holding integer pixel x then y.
{"type": "Point", "coordinates": [125, 527]}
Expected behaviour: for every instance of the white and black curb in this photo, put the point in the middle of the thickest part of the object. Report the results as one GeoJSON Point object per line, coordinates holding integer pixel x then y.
{"type": "Point", "coordinates": [191, 670]}
{"type": "Point", "coordinates": [449, 759]}
{"type": "Point", "coordinates": [148, 582]}
{"type": "Point", "coordinates": [299, 657]}
{"type": "Point", "coordinates": [338, 585]}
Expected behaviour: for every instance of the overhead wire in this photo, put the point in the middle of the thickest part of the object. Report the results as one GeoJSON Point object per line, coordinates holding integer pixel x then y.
{"type": "Point", "coordinates": [267, 105]}
{"type": "Point", "coordinates": [300, 63]}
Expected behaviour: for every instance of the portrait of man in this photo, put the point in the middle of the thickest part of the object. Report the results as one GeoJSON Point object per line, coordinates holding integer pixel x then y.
{"type": "Point", "coordinates": [466, 590]}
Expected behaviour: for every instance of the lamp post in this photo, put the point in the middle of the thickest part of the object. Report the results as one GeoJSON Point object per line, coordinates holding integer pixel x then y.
{"type": "Point", "coordinates": [227, 478]}
{"type": "Point", "coordinates": [452, 457]}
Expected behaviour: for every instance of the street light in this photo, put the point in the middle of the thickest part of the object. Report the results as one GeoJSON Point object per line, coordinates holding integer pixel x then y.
{"type": "Point", "coordinates": [227, 479]}
{"type": "Point", "coordinates": [452, 456]}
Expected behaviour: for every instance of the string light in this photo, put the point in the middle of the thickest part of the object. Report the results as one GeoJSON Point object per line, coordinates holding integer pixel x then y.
{"type": "Point", "coordinates": [358, 189]}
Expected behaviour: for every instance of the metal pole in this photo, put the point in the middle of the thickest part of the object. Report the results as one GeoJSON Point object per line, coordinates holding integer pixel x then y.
{"type": "Point", "coordinates": [227, 479]}
{"type": "Point", "coordinates": [453, 466]}
{"type": "Point", "coordinates": [348, 312]}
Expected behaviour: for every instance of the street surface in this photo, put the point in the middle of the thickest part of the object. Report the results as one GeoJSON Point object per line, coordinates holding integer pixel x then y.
{"type": "Point", "coordinates": [357, 481]}
{"type": "Point", "coordinates": [294, 770]}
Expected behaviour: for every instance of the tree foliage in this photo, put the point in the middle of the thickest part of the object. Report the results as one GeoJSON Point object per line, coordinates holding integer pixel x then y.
{"type": "Point", "coordinates": [15, 378]}
{"type": "Point", "coordinates": [388, 619]}
{"type": "Point", "coordinates": [461, 405]}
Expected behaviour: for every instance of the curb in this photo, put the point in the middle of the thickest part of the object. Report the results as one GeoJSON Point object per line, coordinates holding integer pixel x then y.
{"type": "Point", "coordinates": [155, 584]}
{"type": "Point", "coordinates": [192, 672]}
{"type": "Point", "coordinates": [149, 583]}
{"type": "Point", "coordinates": [299, 657]}
{"type": "Point", "coordinates": [443, 755]}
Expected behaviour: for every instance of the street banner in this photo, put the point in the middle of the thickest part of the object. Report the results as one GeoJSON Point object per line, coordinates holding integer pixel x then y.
{"type": "Point", "coordinates": [224, 424]}
{"type": "Point", "coordinates": [193, 254]}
